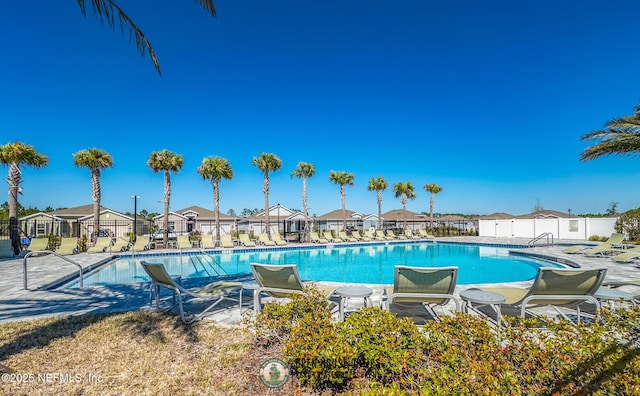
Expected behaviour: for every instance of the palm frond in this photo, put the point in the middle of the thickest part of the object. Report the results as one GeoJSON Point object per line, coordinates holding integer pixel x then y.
{"type": "Point", "coordinates": [621, 144]}
{"type": "Point", "coordinates": [109, 11]}
{"type": "Point", "coordinates": [627, 122]}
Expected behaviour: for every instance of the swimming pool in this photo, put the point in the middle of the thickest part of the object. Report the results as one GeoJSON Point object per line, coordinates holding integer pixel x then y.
{"type": "Point", "coordinates": [369, 264]}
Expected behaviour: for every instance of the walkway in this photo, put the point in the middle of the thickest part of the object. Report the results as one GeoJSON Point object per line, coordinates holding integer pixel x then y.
{"type": "Point", "coordinates": [38, 301]}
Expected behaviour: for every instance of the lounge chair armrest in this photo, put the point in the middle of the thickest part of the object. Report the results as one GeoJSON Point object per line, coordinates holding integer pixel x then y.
{"type": "Point", "coordinates": [579, 297]}
{"type": "Point", "coordinates": [427, 295]}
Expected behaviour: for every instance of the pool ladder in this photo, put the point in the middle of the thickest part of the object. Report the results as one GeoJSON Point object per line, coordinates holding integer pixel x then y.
{"type": "Point", "coordinates": [541, 236]}
{"type": "Point", "coordinates": [40, 252]}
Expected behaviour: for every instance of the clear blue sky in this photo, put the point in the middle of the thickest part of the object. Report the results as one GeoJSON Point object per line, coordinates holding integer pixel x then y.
{"type": "Point", "coordinates": [486, 99]}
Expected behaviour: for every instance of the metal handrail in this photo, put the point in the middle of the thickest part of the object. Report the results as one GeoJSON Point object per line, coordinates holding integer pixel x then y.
{"type": "Point", "coordinates": [539, 237]}
{"type": "Point", "coordinates": [39, 252]}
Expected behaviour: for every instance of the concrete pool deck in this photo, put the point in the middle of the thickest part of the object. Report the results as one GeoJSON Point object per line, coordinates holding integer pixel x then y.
{"type": "Point", "coordinates": [38, 301]}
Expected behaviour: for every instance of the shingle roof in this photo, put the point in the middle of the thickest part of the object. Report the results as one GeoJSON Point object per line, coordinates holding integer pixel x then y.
{"type": "Point", "coordinates": [498, 215]}
{"type": "Point", "coordinates": [336, 215]}
{"type": "Point", "coordinates": [541, 214]}
{"type": "Point", "coordinates": [77, 211]}
{"type": "Point", "coordinates": [396, 214]}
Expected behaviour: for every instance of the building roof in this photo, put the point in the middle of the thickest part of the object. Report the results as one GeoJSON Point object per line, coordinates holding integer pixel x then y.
{"type": "Point", "coordinates": [396, 214]}
{"type": "Point", "coordinates": [337, 215]}
{"type": "Point", "coordinates": [84, 211]}
{"type": "Point", "coordinates": [77, 211]}
{"type": "Point", "coordinates": [496, 216]}
{"type": "Point", "coordinates": [544, 214]}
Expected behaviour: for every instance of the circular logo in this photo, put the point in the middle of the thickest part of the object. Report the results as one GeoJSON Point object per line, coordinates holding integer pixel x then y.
{"type": "Point", "coordinates": [274, 373]}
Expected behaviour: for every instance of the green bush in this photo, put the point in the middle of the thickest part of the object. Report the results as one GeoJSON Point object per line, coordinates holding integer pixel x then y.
{"type": "Point", "coordinates": [318, 355]}
{"type": "Point", "coordinates": [374, 352]}
{"type": "Point", "coordinates": [275, 320]}
{"type": "Point", "coordinates": [386, 345]}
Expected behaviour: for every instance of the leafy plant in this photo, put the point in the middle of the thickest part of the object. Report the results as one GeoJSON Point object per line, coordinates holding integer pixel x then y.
{"type": "Point", "coordinates": [374, 352]}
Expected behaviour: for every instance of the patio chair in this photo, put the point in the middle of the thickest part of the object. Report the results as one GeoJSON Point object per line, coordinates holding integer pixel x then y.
{"type": "Point", "coordinates": [207, 242]}
{"type": "Point", "coordinates": [246, 241]}
{"type": "Point", "coordinates": [555, 287]}
{"type": "Point", "coordinates": [226, 241]}
{"type": "Point", "coordinates": [391, 234]}
{"type": "Point", "coordinates": [281, 281]}
{"type": "Point", "coordinates": [102, 243]}
{"type": "Point", "coordinates": [264, 239]}
{"type": "Point", "coordinates": [627, 256]}
{"type": "Point", "coordinates": [183, 242]}
{"type": "Point", "coordinates": [346, 238]}
{"type": "Point", "coordinates": [278, 240]}
{"type": "Point", "coordinates": [38, 244]}
{"type": "Point", "coordinates": [427, 287]}
{"type": "Point", "coordinates": [119, 245]}
{"type": "Point", "coordinates": [330, 238]}
{"type": "Point", "coordinates": [605, 249]}
{"type": "Point", "coordinates": [380, 236]}
{"type": "Point", "coordinates": [141, 243]}
{"type": "Point", "coordinates": [68, 245]}
{"type": "Point", "coordinates": [614, 239]}
{"type": "Point", "coordinates": [215, 292]}
{"type": "Point", "coordinates": [315, 238]}
{"type": "Point", "coordinates": [424, 234]}
{"type": "Point", "coordinates": [370, 235]}
{"type": "Point", "coordinates": [356, 234]}
{"type": "Point", "coordinates": [410, 235]}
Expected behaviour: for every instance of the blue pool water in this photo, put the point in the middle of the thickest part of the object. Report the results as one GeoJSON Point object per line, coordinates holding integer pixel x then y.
{"type": "Point", "coordinates": [370, 264]}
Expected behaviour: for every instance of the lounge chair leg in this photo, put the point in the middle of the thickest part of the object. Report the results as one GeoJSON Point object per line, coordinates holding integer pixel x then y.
{"type": "Point", "coordinates": [256, 301]}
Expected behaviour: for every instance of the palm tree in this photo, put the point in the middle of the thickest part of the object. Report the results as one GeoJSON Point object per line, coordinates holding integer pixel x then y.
{"type": "Point", "coordinates": [14, 155]}
{"type": "Point", "coordinates": [267, 162]}
{"type": "Point", "coordinates": [342, 179]}
{"type": "Point", "coordinates": [216, 169]}
{"type": "Point", "coordinates": [108, 10]}
{"type": "Point", "coordinates": [378, 184]}
{"type": "Point", "coordinates": [404, 190]}
{"type": "Point", "coordinates": [304, 171]}
{"type": "Point", "coordinates": [619, 136]}
{"type": "Point", "coordinates": [96, 160]}
{"type": "Point", "coordinates": [166, 161]}
{"type": "Point", "coordinates": [433, 189]}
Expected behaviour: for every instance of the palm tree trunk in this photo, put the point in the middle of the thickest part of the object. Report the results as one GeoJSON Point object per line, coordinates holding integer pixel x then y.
{"type": "Point", "coordinates": [431, 211]}
{"type": "Point", "coordinates": [216, 208]}
{"type": "Point", "coordinates": [404, 209]}
{"type": "Point", "coordinates": [14, 178]}
{"type": "Point", "coordinates": [304, 207]}
{"type": "Point", "coordinates": [265, 190]}
{"type": "Point", "coordinates": [344, 210]}
{"type": "Point", "coordinates": [167, 197]}
{"type": "Point", "coordinates": [379, 209]}
{"type": "Point", "coordinates": [97, 195]}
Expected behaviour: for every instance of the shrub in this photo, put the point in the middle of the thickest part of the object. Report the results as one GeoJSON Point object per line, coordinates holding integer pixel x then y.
{"type": "Point", "coordinates": [319, 355]}
{"type": "Point", "coordinates": [387, 346]}
{"type": "Point", "coordinates": [275, 321]}
{"type": "Point", "coordinates": [374, 352]}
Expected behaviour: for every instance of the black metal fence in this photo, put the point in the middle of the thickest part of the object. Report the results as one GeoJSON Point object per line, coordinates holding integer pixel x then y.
{"type": "Point", "coordinates": [78, 228]}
